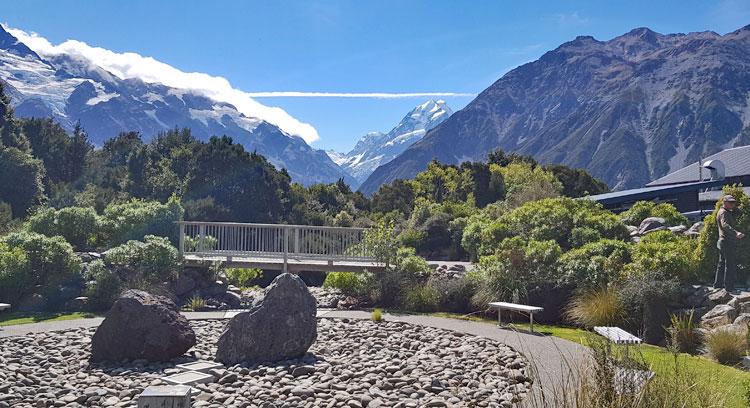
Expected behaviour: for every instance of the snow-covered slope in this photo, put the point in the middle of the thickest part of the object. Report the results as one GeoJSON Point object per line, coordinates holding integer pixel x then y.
{"type": "Point", "coordinates": [69, 89]}
{"type": "Point", "coordinates": [376, 148]}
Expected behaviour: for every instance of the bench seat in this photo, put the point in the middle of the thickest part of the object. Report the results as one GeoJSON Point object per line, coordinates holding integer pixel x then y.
{"type": "Point", "coordinates": [516, 307]}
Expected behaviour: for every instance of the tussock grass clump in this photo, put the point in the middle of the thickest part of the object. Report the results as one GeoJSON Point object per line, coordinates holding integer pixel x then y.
{"type": "Point", "coordinates": [612, 378]}
{"type": "Point", "coordinates": [196, 303]}
{"type": "Point", "coordinates": [726, 346]}
{"type": "Point", "coordinates": [683, 333]}
{"type": "Point", "coordinates": [600, 307]}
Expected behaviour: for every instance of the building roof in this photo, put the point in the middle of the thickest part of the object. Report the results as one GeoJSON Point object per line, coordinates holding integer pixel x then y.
{"type": "Point", "coordinates": [736, 161]}
{"type": "Point", "coordinates": [649, 193]}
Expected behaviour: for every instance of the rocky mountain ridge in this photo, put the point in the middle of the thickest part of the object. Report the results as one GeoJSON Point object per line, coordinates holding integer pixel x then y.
{"type": "Point", "coordinates": [628, 110]}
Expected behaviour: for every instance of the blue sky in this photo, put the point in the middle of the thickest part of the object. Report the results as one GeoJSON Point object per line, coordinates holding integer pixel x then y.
{"type": "Point", "coordinates": [356, 46]}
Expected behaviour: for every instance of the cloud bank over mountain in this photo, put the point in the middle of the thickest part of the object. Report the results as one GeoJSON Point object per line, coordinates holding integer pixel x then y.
{"type": "Point", "coordinates": [129, 65]}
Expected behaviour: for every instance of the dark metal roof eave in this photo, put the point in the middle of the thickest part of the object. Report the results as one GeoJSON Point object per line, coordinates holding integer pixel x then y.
{"type": "Point", "coordinates": [647, 193]}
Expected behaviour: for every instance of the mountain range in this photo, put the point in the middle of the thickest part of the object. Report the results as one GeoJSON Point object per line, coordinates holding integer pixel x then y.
{"type": "Point", "coordinates": [628, 110]}
{"type": "Point", "coordinates": [70, 89]}
{"type": "Point", "coordinates": [377, 148]}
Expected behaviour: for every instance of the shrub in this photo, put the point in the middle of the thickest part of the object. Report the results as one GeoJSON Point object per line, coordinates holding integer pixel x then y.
{"type": "Point", "coordinates": [645, 298]}
{"type": "Point", "coordinates": [454, 294]}
{"type": "Point", "coordinates": [555, 219]}
{"type": "Point", "coordinates": [412, 266]}
{"type": "Point", "coordinates": [78, 225]}
{"type": "Point", "coordinates": [379, 242]}
{"type": "Point", "coordinates": [15, 276]}
{"type": "Point", "coordinates": [103, 286]}
{"type": "Point", "coordinates": [6, 217]}
{"type": "Point", "coordinates": [343, 219]}
{"type": "Point", "coordinates": [377, 315]}
{"type": "Point", "coordinates": [596, 308]}
{"type": "Point", "coordinates": [580, 236]}
{"type": "Point", "coordinates": [645, 209]}
{"type": "Point", "coordinates": [726, 346]}
{"type": "Point", "coordinates": [241, 276]}
{"type": "Point", "coordinates": [152, 261]}
{"type": "Point", "coordinates": [683, 333]}
{"type": "Point", "coordinates": [51, 260]}
{"type": "Point", "coordinates": [387, 288]}
{"type": "Point", "coordinates": [595, 264]}
{"type": "Point", "coordinates": [135, 219]}
{"type": "Point", "coordinates": [516, 269]}
{"type": "Point", "coordinates": [349, 283]}
{"type": "Point", "coordinates": [665, 256]}
{"type": "Point", "coordinates": [422, 298]}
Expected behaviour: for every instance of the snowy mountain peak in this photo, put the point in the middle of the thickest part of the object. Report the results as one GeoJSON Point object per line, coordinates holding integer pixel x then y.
{"type": "Point", "coordinates": [11, 44]}
{"type": "Point", "coordinates": [377, 148]}
{"type": "Point", "coordinates": [71, 89]}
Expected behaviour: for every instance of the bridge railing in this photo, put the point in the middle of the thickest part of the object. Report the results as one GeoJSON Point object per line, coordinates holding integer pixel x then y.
{"type": "Point", "coordinates": [272, 241]}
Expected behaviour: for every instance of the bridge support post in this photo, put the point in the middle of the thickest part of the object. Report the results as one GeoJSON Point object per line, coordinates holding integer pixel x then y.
{"type": "Point", "coordinates": [286, 250]}
{"type": "Point", "coordinates": [182, 238]}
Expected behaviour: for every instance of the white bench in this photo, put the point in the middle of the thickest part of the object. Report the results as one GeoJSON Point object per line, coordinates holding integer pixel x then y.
{"type": "Point", "coordinates": [515, 307]}
{"type": "Point", "coordinates": [4, 306]}
{"type": "Point", "coordinates": [617, 335]}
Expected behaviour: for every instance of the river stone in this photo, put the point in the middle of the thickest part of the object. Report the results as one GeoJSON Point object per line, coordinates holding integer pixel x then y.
{"type": "Point", "coordinates": [142, 326]}
{"type": "Point", "coordinates": [280, 326]}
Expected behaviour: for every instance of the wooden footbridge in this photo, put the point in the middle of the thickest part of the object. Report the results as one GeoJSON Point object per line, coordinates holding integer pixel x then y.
{"type": "Point", "coordinates": [291, 248]}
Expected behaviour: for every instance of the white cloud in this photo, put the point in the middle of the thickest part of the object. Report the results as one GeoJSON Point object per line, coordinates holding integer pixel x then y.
{"type": "Point", "coordinates": [148, 69]}
{"type": "Point", "coordinates": [570, 20]}
{"type": "Point", "coordinates": [376, 95]}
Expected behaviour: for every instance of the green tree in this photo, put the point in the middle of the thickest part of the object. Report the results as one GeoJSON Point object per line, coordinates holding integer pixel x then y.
{"type": "Point", "coordinates": [397, 196]}
{"type": "Point", "coordinates": [576, 182]}
{"type": "Point", "coordinates": [11, 131]}
{"type": "Point", "coordinates": [20, 180]}
{"type": "Point", "coordinates": [245, 184]}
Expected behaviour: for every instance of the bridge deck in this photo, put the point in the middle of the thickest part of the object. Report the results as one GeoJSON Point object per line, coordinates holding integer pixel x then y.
{"type": "Point", "coordinates": [294, 264]}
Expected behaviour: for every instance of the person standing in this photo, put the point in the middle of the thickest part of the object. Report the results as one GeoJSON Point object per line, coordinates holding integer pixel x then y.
{"type": "Point", "coordinates": [726, 220]}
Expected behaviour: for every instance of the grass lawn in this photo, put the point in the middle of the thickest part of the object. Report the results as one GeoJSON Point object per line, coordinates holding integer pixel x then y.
{"type": "Point", "coordinates": [662, 361]}
{"type": "Point", "coordinates": [14, 318]}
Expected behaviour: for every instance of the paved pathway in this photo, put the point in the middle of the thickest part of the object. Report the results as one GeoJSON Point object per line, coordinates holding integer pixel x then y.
{"type": "Point", "coordinates": [553, 360]}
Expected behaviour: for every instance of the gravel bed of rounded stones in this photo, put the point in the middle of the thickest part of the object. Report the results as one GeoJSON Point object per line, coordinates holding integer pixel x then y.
{"type": "Point", "coordinates": [354, 363]}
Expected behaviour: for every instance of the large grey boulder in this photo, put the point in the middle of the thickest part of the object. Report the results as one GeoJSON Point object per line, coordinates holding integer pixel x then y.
{"type": "Point", "coordinates": [720, 315]}
{"type": "Point", "coordinates": [142, 326]}
{"type": "Point", "coordinates": [652, 224]}
{"type": "Point", "coordinates": [280, 326]}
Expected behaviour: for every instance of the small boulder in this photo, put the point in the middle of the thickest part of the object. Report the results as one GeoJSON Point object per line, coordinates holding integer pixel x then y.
{"type": "Point", "coordinates": [720, 315]}
{"type": "Point", "coordinates": [695, 229]}
{"type": "Point", "coordinates": [142, 326]}
{"type": "Point", "coordinates": [232, 299]}
{"type": "Point", "coordinates": [678, 229]}
{"type": "Point", "coordinates": [742, 320]}
{"type": "Point", "coordinates": [719, 295]}
{"type": "Point", "coordinates": [652, 224]}
{"type": "Point", "coordinates": [280, 326]}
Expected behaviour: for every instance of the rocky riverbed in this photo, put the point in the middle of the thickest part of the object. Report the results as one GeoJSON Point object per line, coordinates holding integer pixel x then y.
{"type": "Point", "coordinates": [355, 363]}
